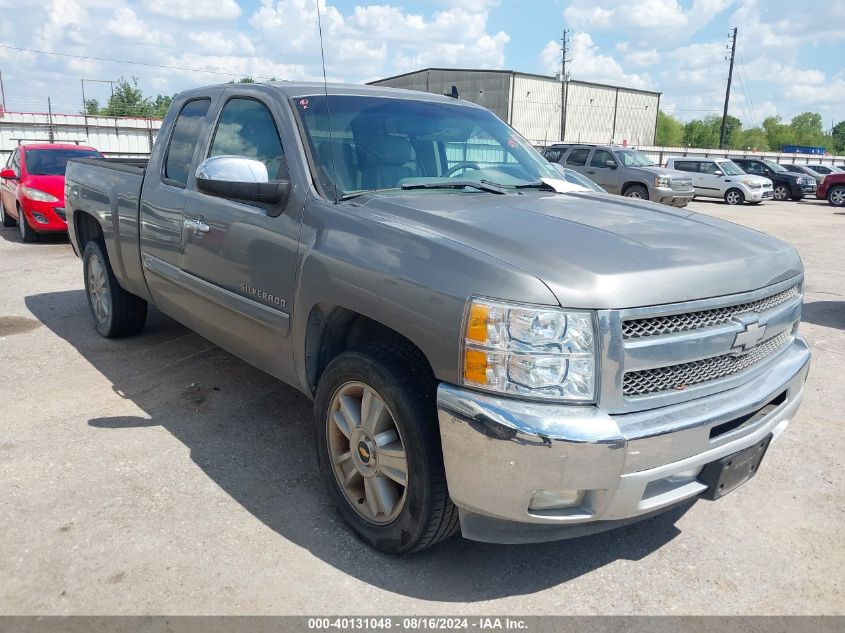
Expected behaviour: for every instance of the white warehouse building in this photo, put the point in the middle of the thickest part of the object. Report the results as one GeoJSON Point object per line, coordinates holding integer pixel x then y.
{"type": "Point", "coordinates": [594, 113]}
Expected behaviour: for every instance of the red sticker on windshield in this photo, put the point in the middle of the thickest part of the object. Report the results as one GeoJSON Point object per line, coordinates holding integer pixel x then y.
{"type": "Point", "coordinates": [304, 103]}
{"type": "Point", "coordinates": [512, 142]}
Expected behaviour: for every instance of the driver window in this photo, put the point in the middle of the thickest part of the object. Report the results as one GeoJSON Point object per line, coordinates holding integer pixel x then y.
{"type": "Point", "coordinates": [246, 128]}
{"type": "Point", "coordinates": [709, 168]}
{"type": "Point", "coordinates": [600, 157]}
{"type": "Point", "coordinates": [753, 168]}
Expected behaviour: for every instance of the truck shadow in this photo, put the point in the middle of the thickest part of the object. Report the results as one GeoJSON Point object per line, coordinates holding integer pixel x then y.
{"type": "Point", "coordinates": [253, 437]}
{"type": "Point", "coordinates": [825, 313]}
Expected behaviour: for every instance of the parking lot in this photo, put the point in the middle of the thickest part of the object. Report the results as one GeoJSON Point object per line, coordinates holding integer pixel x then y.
{"type": "Point", "coordinates": [159, 474]}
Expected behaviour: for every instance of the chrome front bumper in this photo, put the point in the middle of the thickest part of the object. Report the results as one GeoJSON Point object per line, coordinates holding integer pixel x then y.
{"type": "Point", "coordinates": [499, 451]}
{"type": "Point", "coordinates": [667, 195]}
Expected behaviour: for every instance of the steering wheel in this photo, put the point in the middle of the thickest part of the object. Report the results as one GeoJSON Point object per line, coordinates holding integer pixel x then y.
{"type": "Point", "coordinates": [459, 166]}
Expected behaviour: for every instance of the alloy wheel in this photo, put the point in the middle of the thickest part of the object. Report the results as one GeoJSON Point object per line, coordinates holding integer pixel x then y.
{"type": "Point", "coordinates": [98, 290]}
{"type": "Point", "coordinates": [781, 193]}
{"type": "Point", "coordinates": [837, 197]}
{"type": "Point", "coordinates": [367, 453]}
{"type": "Point", "coordinates": [732, 197]}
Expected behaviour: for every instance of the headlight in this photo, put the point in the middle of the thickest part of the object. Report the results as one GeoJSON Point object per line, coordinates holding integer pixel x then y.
{"type": "Point", "coordinates": [753, 184]}
{"type": "Point", "coordinates": [662, 181]}
{"type": "Point", "coordinates": [531, 351]}
{"type": "Point", "coordinates": [37, 194]}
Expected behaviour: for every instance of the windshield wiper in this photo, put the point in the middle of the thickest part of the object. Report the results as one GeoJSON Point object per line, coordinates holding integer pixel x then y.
{"type": "Point", "coordinates": [456, 184]}
{"type": "Point", "coordinates": [537, 184]}
{"type": "Point", "coordinates": [355, 194]}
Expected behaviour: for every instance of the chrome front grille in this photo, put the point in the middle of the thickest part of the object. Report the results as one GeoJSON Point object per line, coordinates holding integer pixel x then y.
{"type": "Point", "coordinates": [680, 184]}
{"type": "Point", "coordinates": [679, 377]}
{"type": "Point", "coordinates": [685, 322]}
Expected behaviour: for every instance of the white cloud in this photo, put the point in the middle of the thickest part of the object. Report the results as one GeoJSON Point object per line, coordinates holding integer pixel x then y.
{"type": "Point", "coordinates": [589, 64]}
{"type": "Point", "coordinates": [204, 10]}
{"type": "Point", "coordinates": [666, 16]}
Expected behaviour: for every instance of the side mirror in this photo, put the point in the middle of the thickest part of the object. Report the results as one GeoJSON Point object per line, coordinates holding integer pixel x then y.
{"type": "Point", "coordinates": [240, 178]}
{"type": "Point", "coordinates": [718, 172]}
{"type": "Point", "coordinates": [610, 163]}
{"type": "Point", "coordinates": [8, 174]}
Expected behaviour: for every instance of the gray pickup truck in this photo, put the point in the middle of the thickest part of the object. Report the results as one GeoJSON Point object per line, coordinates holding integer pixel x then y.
{"type": "Point", "coordinates": [489, 349]}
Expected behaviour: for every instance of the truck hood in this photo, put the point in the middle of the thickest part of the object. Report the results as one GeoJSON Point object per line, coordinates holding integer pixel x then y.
{"type": "Point", "coordinates": [656, 170]}
{"type": "Point", "coordinates": [600, 251]}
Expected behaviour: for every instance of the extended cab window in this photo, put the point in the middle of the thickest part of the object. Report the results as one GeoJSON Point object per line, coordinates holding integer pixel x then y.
{"type": "Point", "coordinates": [246, 128]}
{"type": "Point", "coordinates": [553, 155]}
{"type": "Point", "coordinates": [578, 157]}
{"type": "Point", "coordinates": [184, 139]}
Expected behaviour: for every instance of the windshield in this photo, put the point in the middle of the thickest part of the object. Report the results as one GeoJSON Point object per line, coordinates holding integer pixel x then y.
{"type": "Point", "coordinates": [634, 158]}
{"type": "Point", "coordinates": [53, 162]}
{"type": "Point", "coordinates": [774, 166]}
{"type": "Point", "coordinates": [730, 168]}
{"type": "Point", "coordinates": [378, 143]}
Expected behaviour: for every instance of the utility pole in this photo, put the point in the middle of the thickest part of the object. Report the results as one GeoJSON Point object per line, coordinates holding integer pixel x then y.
{"type": "Point", "coordinates": [564, 41]}
{"type": "Point", "coordinates": [728, 93]}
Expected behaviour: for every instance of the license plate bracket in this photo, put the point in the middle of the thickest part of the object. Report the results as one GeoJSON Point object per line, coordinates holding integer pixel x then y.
{"type": "Point", "coordinates": [730, 472]}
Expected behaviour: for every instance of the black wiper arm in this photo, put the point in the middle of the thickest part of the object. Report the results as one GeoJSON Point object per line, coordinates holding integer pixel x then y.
{"type": "Point", "coordinates": [455, 184]}
{"type": "Point", "coordinates": [355, 194]}
{"type": "Point", "coordinates": [537, 184]}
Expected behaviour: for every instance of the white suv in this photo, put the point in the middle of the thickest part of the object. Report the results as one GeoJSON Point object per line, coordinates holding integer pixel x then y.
{"type": "Point", "coordinates": [722, 178]}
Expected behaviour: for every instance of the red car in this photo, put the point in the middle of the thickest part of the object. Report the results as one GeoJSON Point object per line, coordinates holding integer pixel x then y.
{"type": "Point", "coordinates": [32, 192]}
{"type": "Point", "coordinates": [832, 188]}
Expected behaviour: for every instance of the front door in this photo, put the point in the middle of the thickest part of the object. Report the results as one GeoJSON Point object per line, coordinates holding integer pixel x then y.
{"type": "Point", "coordinates": [709, 182]}
{"type": "Point", "coordinates": [610, 178]}
{"type": "Point", "coordinates": [239, 258]}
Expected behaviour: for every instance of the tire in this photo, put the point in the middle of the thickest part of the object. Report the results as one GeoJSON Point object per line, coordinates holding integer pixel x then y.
{"type": "Point", "coordinates": [28, 234]}
{"type": "Point", "coordinates": [755, 202]}
{"type": "Point", "coordinates": [734, 197]}
{"type": "Point", "coordinates": [412, 517]}
{"type": "Point", "coordinates": [797, 198]}
{"type": "Point", "coordinates": [6, 218]}
{"type": "Point", "coordinates": [781, 192]}
{"type": "Point", "coordinates": [836, 196]}
{"type": "Point", "coordinates": [636, 191]}
{"type": "Point", "coordinates": [115, 311]}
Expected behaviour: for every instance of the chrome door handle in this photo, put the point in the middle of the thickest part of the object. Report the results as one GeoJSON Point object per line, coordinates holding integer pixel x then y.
{"type": "Point", "coordinates": [197, 225]}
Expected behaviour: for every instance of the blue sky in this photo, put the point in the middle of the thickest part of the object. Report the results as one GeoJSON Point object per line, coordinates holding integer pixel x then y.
{"type": "Point", "coordinates": [790, 59]}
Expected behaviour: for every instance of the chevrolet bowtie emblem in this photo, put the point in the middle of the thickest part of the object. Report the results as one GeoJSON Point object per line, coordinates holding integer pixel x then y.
{"type": "Point", "coordinates": [749, 337]}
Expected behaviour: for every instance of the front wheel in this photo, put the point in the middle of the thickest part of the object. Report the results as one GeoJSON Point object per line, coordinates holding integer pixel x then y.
{"type": "Point", "coordinates": [28, 234]}
{"type": "Point", "coordinates": [836, 196]}
{"type": "Point", "coordinates": [636, 191]}
{"type": "Point", "coordinates": [378, 447]}
{"type": "Point", "coordinates": [781, 192]}
{"type": "Point", "coordinates": [734, 197]}
{"type": "Point", "coordinates": [116, 312]}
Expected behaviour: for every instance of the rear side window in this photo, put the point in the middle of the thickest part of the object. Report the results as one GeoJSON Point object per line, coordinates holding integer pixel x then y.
{"type": "Point", "coordinates": [686, 165]}
{"type": "Point", "coordinates": [183, 141]}
{"type": "Point", "coordinates": [578, 157]}
{"type": "Point", "coordinates": [246, 128]}
{"type": "Point", "coordinates": [552, 155]}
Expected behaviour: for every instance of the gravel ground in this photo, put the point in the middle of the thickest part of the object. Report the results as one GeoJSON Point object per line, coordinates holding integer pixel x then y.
{"type": "Point", "coordinates": [161, 475]}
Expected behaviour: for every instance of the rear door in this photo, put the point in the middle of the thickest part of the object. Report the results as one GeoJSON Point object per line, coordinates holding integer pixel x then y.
{"type": "Point", "coordinates": [9, 188]}
{"type": "Point", "coordinates": [610, 178]}
{"type": "Point", "coordinates": [577, 159]}
{"type": "Point", "coordinates": [240, 267]}
{"type": "Point", "coordinates": [692, 167]}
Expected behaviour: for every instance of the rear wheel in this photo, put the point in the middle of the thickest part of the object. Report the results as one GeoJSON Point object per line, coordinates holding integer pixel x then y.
{"type": "Point", "coordinates": [28, 234]}
{"type": "Point", "coordinates": [781, 192]}
{"type": "Point", "coordinates": [636, 191]}
{"type": "Point", "coordinates": [378, 447]}
{"type": "Point", "coordinates": [734, 197]}
{"type": "Point", "coordinates": [6, 218]}
{"type": "Point", "coordinates": [836, 196]}
{"type": "Point", "coordinates": [116, 312]}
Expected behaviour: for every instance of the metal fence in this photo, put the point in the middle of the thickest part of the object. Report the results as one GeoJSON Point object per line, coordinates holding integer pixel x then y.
{"type": "Point", "coordinates": [660, 154]}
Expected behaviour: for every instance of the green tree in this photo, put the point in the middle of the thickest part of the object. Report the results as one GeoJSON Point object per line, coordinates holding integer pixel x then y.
{"type": "Point", "coordinates": [92, 107]}
{"type": "Point", "coordinates": [128, 100]}
{"type": "Point", "coordinates": [807, 129]}
{"type": "Point", "coordinates": [837, 135]}
{"type": "Point", "coordinates": [243, 80]}
{"type": "Point", "coordinates": [160, 105]}
{"type": "Point", "coordinates": [778, 134]}
{"type": "Point", "coordinates": [733, 129]}
{"type": "Point", "coordinates": [751, 139]}
{"type": "Point", "coordinates": [670, 131]}
{"type": "Point", "coordinates": [702, 133]}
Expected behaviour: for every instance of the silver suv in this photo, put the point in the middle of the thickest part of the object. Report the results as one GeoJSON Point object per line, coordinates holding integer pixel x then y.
{"type": "Point", "coordinates": [624, 170]}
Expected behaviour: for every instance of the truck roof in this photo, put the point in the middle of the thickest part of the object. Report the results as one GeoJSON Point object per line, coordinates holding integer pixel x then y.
{"type": "Point", "coordinates": [293, 89]}
{"type": "Point", "coordinates": [28, 146]}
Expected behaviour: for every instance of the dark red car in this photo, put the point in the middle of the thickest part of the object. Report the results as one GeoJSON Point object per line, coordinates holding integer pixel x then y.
{"type": "Point", "coordinates": [832, 188]}
{"type": "Point", "coordinates": [32, 193]}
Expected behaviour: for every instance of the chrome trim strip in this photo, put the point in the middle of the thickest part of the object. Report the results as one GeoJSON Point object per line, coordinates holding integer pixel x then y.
{"type": "Point", "coordinates": [265, 315]}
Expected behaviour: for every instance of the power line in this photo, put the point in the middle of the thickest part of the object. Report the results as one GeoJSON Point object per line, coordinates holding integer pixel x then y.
{"type": "Point", "coordinates": [123, 61]}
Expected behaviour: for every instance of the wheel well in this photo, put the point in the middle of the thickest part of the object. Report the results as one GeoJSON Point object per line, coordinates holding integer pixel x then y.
{"type": "Point", "coordinates": [87, 229]}
{"type": "Point", "coordinates": [633, 183]}
{"type": "Point", "coordinates": [332, 330]}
